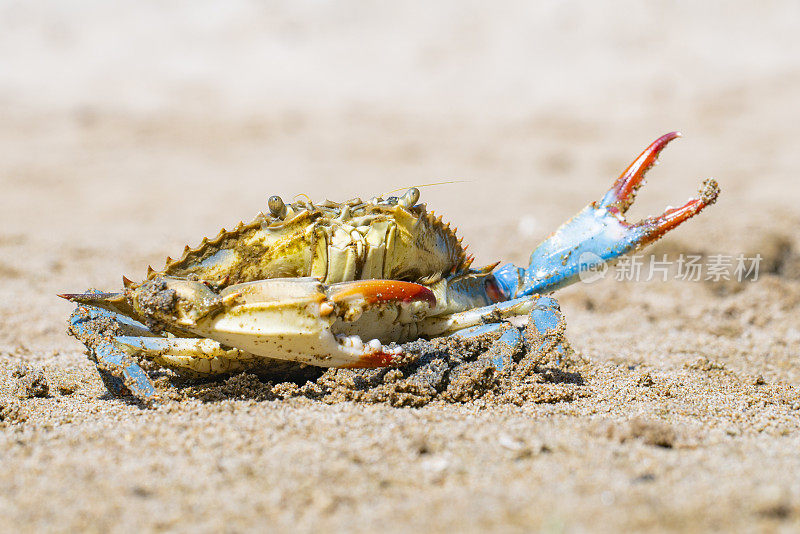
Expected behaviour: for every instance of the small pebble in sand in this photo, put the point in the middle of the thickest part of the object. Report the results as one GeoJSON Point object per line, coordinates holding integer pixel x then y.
{"type": "Point", "coordinates": [31, 382]}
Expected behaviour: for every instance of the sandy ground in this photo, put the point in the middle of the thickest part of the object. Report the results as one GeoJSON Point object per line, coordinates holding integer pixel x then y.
{"type": "Point", "coordinates": [129, 132]}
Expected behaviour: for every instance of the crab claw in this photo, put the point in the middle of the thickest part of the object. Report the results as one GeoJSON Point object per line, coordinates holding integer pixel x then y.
{"type": "Point", "coordinates": [619, 198]}
{"type": "Point", "coordinates": [295, 319]}
{"type": "Point", "coordinates": [600, 233]}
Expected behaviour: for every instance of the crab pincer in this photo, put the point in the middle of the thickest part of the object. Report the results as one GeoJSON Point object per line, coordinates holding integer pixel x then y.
{"type": "Point", "coordinates": [622, 194]}
{"type": "Point", "coordinates": [600, 233]}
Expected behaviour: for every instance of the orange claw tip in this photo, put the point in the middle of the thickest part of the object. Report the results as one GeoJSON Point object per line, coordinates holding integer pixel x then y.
{"type": "Point", "coordinates": [379, 291]}
{"type": "Point", "coordinates": [375, 359]}
{"type": "Point", "coordinates": [622, 193]}
{"type": "Point", "coordinates": [658, 226]}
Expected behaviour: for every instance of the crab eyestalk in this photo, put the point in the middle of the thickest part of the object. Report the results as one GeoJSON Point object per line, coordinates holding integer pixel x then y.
{"type": "Point", "coordinates": [600, 233]}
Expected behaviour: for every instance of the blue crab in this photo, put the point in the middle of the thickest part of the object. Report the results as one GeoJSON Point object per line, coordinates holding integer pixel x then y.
{"type": "Point", "coordinates": [346, 284]}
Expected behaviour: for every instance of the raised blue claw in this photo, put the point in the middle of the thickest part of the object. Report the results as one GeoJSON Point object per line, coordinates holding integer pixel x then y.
{"type": "Point", "coordinates": [600, 233]}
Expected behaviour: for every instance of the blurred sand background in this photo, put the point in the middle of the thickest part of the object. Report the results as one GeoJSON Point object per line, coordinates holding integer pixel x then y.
{"type": "Point", "coordinates": [130, 129]}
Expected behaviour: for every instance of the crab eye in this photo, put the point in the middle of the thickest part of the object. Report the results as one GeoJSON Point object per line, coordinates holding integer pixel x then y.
{"type": "Point", "coordinates": [410, 197]}
{"type": "Point", "coordinates": [276, 207]}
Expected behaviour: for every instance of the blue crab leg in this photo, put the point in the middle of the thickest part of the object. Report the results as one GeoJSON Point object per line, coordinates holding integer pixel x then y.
{"type": "Point", "coordinates": [509, 342]}
{"type": "Point", "coordinates": [600, 233]}
{"type": "Point", "coordinates": [120, 373]}
{"type": "Point", "coordinates": [543, 332]}
{"type": "Point", "coordinates": [473, 320]}
{"type": "Point", "coordinates": [545, 329]}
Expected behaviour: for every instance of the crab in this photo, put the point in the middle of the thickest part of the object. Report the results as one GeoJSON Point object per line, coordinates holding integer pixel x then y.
{"type": "Point", "coordinates": [347, 284]}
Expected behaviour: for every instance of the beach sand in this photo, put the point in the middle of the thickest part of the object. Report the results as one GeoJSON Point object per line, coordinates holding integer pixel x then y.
{"type": "Point", "coordinates": [128, 133]}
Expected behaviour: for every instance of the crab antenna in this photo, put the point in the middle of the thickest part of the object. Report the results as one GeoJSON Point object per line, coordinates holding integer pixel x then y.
{"type": "Point", "coordinates": [446, 182]}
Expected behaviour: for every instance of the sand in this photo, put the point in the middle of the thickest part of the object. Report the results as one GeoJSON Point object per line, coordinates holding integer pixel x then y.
{"type": "Point", "coordinates": [130, 132]}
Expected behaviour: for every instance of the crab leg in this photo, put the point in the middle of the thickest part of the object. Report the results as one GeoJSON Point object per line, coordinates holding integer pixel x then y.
{"type": "Point", "coordinates": [543, 332]}
{"type": "Point", "coordinates": [476, 321]}
{"type": "Point", "coordinates": [600, 233]}
{"type": "Point", "coordinates": [120, 373]}
{"type": "Point", "coordinates": [198, 357]}
{"type": "Point", "coordinates": [506, 346]}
